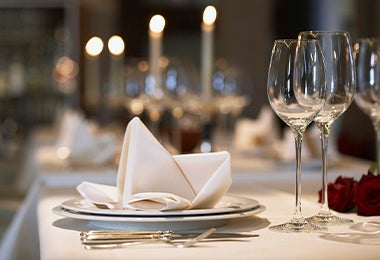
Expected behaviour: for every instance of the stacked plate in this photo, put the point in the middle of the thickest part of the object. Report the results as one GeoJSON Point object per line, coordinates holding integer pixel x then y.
{"type": "Point", "coordinates": [229, 207]}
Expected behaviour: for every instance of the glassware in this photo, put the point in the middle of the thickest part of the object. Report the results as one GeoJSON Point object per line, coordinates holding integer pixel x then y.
{"type": "Point", "coordinates": [228, 82]}
{"type": "Point", "coordinates": [296, 92]}
{"type": "Point", "coordinates": [135, 72]}
{"type": "Point", "coordinates": [340, 75]}
{"type": "Point", "coordinates": [144, 92]}
{"type": "Point", "coordinates": [181, 124]}
{"type": "Point", "coordinates": [366, 55]}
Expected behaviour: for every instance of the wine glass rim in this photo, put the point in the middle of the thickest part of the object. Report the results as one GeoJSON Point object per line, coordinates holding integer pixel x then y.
{"type": "Point", "coordinates": [289, 41]}
{"type": "Point", "coordinates": [325, 32]}
{"type": "Point", "coordinates": [285, 40]}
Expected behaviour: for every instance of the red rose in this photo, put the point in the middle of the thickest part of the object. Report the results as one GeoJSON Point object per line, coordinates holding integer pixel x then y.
{"type": "Point", "coordinates": [367, 196]}
{"type": "Point", "coordinates": [340, 194]}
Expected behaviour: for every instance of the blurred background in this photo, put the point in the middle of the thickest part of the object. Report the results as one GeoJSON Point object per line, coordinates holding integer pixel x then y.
{"type": "Point", "coordinates": [44, 67]}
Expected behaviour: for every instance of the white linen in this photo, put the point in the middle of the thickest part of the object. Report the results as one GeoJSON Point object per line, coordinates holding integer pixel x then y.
{"type": "Point", "coordinates": [78, 143]}
{"type": "Point", "coordinates": [284, 149]}
{"type": "Point", "coordinates": [85, 147]}
{"type": "Point", "coordinates": [262, 138]}
{"type": "Point", "coordinates": [99, 193]}
{"type": "Point", "coordinates": [157, 201]}
{"type": "Point", "coordinates": [272, 187]}
{"type": "Point", "coordinates": [255, 133]}
{"type": "Point", "coordinates": [54, 229]}
{"type": "Point", "coordinates": [164, 181]}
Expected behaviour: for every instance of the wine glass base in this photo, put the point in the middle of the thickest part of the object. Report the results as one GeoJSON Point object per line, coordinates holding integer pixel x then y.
{"type": "Point", "coordinates": [297, 226]}
{"type": "Point", "coordinates": [328, 219]}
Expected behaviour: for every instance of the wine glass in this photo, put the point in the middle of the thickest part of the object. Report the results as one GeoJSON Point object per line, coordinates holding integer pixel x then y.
{"type": "Point", "coordinates": [181, 125]}
{"type": "Point", "coordinates": [228, 83]}
{"type": "Point", "coordinates": [296, 92]}
{"type": "Point", "coordinates": [366, 55]}
{"type": "Point", "coordinates": [134, 98]}
{"type": "Point", "coordinates": [340, 75]}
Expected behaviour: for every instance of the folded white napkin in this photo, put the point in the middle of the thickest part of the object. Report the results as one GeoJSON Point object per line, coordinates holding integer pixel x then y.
{"type": "Point", "coordinates": [284, 149]}
{"type": "Point", "coordinates": [79, 143]}
{"type": "Point", "coordinates": [255, 133]}
{"type": "Point", "coordinates": [150, 178]}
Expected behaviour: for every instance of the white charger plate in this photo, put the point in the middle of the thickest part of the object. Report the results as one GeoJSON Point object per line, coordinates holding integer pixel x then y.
{"type": "Point", "coordinates": [228, 204]}
{"type": "Point", "coordinates": [175, 223]}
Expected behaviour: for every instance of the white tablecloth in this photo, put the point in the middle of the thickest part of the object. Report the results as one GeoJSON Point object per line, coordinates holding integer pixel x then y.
{"type": "Point", "coordinates": [59, 237]}
{"type": "Point", "coordinates": [272, 185]}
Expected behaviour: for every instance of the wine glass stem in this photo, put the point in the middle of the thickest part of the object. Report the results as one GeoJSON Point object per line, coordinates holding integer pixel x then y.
{"type": "Point", "coordinates": [324, 143]}
{"type": "Point", "coordinates": [378, 148]}
{"type": "Point", "coordinates": [298, 143]}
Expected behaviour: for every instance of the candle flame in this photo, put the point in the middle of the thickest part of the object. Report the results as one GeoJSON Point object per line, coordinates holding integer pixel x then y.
{"type": "Point", "coordinates": [116, 45]}
{"type": "Point", "coordinates": [209, 15]}
{"type": "Point", "coordinates": [157, 23]}
{"type": "Point", "coordinates": [94, 46]}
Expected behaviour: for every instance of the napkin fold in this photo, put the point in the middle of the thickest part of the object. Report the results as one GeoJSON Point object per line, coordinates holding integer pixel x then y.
{"type": "Point", "coordinates": [284, 149]}
{"type": "Point", "coordinates": [150, 178]}
{"type": "Point", "coordinates": [84, 145]}
{"type": "Point", "coordinates": [261, 137]}
{"type": "Point", "coordinates": [78, 142]}
{"type": "Point", "coordinates": [253, 134]}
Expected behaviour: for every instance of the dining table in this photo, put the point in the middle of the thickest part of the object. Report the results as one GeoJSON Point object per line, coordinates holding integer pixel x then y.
{"type": "Point", "coordinates": [37, 232]}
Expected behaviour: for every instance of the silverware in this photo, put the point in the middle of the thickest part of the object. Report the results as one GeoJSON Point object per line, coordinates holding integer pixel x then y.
{"type": "Point", "coordinates": [114, 234]}
{"type": "Point", "coordinates": [100, 236]}
{"type": "Point", "coordinates": [186, 243]}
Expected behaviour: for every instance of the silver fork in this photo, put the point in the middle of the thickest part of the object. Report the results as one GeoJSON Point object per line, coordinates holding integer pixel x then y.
{"type": "Point", "coordinates": [165, 239]}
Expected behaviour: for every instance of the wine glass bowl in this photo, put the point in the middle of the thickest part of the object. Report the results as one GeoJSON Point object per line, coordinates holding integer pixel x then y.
{"type": "Point", "coordinates": [228, 102]}
{"type": "Point", "coordinates": [367, 64]}
{"type": "Point", "coordinates": [341, 83]}
{"type": "Point", "coordinates": [296, 92]}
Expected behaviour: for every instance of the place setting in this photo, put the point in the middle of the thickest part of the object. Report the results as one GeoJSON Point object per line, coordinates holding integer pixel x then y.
{"type": "Point", "coordinates": [190, 130]}
{"type": "Point", "coordinates": [196, 198]}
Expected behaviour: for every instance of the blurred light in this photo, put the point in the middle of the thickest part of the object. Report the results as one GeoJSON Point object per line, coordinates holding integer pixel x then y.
{"type": "Point", "coordinates": [132, 87]}
{"type": "Point", "coordinates": [137, 107]}
{"type": "Point", "coordinates": [116, 45]}
{"type": "Point", "coordinates": [171, 79]}
{"type": "Point", "coordinates": [154, 115]}
{"type": "Point", "coordinates": [64, 72]}
{"type": "Point", "coordinates": [209, 15]}
{"type": "Point", "coordinates": [94, 46]}
{"type": "Point", "coordinates": [218, 81]}
{"type": "Point", "coordinates": [164, 62]}
{"type": "Point", "coordinates": [225, 108]}
{"type": "Point", "coordinates": [205, 147]}
{"type": "Point", "coordinates": [157, 23]}
{"type": "Point", "coordinates": [63, 152]}
{"type": "Point", "coordinates": [143, 66]}
{"type": "Point", "coordinates": [177, 112]}
{"type": "Point", "coordinates": [66, 67]}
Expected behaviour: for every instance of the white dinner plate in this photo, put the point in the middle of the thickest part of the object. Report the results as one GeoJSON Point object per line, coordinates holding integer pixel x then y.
{"type": "Point", "coordinates": [175, 223]}
{"type": "Point", "coordinates": [228, 204]}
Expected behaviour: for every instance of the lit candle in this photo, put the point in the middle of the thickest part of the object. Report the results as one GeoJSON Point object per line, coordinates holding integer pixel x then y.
{"type": "Point", "coordinates": [207, 51]}
{"type": "Point", "coordinates": [156, 28]}
{"type": "Point", "coordinates": [92, 70]}
{"type": "Point", "coordinates": [116, 48]}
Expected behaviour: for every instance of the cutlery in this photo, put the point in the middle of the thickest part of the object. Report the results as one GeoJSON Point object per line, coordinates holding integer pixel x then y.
{"type": "Point", "coordinates": [125, 236]}
{"type": "Point", "coordinates": [186, 243]}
